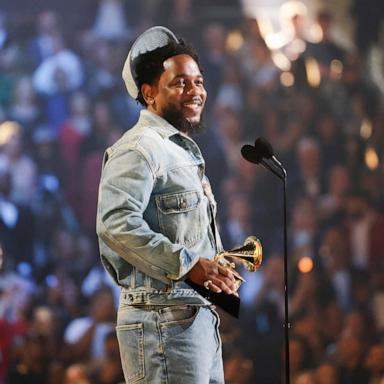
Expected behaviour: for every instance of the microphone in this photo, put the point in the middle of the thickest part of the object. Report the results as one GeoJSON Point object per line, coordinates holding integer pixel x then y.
{"type": "Point", "coordinates": [250, 154]}
{"type": "Point", "coordinates": [261, 151]}
{"type": "Point", "coordinates": [264, 147]}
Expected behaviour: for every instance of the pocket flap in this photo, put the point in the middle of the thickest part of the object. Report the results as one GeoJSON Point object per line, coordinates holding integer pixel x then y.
{"type": "Point", "coordinates": [178, 202]}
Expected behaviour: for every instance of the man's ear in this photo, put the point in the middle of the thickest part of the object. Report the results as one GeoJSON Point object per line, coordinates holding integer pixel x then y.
{"type": "Point", "coordinates": [149, 93]}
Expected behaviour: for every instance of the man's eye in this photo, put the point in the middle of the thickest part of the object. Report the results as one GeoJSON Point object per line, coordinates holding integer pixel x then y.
{"type": "Point", "coordinates": [199, 82]}
{"type": "Point", "coordinates": [180, 83]}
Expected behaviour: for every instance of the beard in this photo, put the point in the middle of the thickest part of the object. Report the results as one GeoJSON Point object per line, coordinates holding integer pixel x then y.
{"type": "Point", "coordinates": [176, 118]}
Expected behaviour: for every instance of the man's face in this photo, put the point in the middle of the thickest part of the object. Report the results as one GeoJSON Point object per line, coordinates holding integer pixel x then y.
{"type": "Point", "coordinates": [179, 95]}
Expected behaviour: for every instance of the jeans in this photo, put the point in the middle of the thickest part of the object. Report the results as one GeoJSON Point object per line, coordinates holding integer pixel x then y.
{"type": "Point", "coordinates": [170, 344]}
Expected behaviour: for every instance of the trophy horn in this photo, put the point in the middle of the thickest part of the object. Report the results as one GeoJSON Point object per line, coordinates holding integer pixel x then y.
{"type": "Point", "coordinates": [250, 255]}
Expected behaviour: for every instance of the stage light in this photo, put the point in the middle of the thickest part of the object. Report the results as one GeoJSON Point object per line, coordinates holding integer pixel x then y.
{"type": "Point", "coordinates": [315, 33]}
{"type": "Point", "coordinates": [366, 129]}
{"type": "Point", "coordinates": [305, 264]}
{"type": "Point", "coordinates": [234, 41]}
{"type": "Point", "coordinates": [371, 158]}
{"type": "Point", "coordinates": [287, 79]}
{"type": "Point", "coordinates": [336, 69]}
{"type": "Point", "coordinates": [281, 61]}
{"type": "Point", "coordinates": [313, 72]}
{"type": "Point", "coordinates": [290, 9]}
{"type": "Point", "coordinates": [276, 40]}
{"type": "Point", "coordinates": [7, 130]}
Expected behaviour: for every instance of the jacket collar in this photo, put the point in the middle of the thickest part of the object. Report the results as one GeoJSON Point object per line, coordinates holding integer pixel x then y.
{"type": "Point", "coordinates": [157, 123]}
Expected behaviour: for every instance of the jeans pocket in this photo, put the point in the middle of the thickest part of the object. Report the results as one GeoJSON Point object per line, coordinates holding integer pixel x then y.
{"type": "Point", "coordinates": [131, 344]}
{"type": "Point", "coordinates": [177, 319]}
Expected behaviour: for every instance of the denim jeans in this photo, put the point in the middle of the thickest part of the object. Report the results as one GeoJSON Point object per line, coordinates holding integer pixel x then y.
{"type": "Point", "coordinates": [170, 344]}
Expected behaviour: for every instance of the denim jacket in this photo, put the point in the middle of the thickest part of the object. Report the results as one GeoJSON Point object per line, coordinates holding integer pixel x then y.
{"type": "Point", "coordinates": [155, 212]}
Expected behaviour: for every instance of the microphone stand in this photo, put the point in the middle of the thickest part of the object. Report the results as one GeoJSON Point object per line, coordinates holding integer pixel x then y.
{"type": "Point", "coordinates": [287, 325]}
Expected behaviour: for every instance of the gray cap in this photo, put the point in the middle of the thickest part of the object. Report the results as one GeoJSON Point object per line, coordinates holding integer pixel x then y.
{"type": "Point", "coordinates": [149, 40]}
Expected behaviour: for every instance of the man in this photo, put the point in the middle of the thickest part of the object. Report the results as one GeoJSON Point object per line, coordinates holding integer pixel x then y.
{"type": "Point", "coordinates": [156, 222]}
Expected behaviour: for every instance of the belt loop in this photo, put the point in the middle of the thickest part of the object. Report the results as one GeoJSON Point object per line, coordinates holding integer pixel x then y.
{"type": "Point", "coordinates": [133, 278]}
{"type": "Point", "coordinates": [147, 281]}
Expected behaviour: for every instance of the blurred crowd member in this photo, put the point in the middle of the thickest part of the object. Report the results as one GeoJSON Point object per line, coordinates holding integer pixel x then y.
{"type": "Point", "coordinates": [108, 370]}
{"type": "Point", "coordinates": [239, 220]}
{"type": "Point", "coordinates": [104, 131]}
{"type": "Point", "coordinates": [300, 357]}
{"type": "Point", "coordinates": [238, 368]}
{"type": "Point", "coordinates": [333, 252]}
{"type": "Point", "coordinates": [95, 279]}
{"type": "Point", "coordinates": [350, 359]}
{"type": "Point", "coordinates": [4, 33]}
{"type": "Point", "coordinates": [270, 296]}
{"type": "Point", "coordinates": [262, 72]}
{"type": "Point", "coordinates": [365, 228]}
{"type": "Point", "coordinates": [253, 113]}
{"type": "Point", "coordinates": [63, 296]}
{"type": "Point", "coordinates": [16, 223]}
{"type": "Point", "coordinates": [111, 21]}
{"type": "Point", "coordinates": [228, 125]}
{"type": "Point", "coordinates": [330, 204]}
{"type": "Point", "coordinates": [77, 373]}
{"type": "Point", "coordinates": [56, 78]}
{"type": "Point", "coordinates": [103, 67]}
{"type": "Point", "coordinates": [24, 107]}
{"type": "Point", "coordinates": [42, 45]}
{"type": "Point", "coordinates": [309, 178]}
{"type": "Point", "coordinates": [374, 363]}
{"type": "Point", "coordinates": [326, 49]}
{"type": "Point", "coordinates": [180, 16]}
{"type": "Point", "coordinates": [72, 253]}
{"type": "Point", "coordinates": [377, 277]}
{"type": "Point", "coordinates": [304, 317]}
{"type": "Point", "coordinates": [30, 361]}
{"type": "Point", "coordinates": [45, 150]}
{"type": "Point", "coordinates": [103, 124]}
{"type": "Point", "coordinates": [303, 231]}
{"type": "Point", "coordinates": [21, 167]}
{"type": "Point", "coordinates": [60, 71]}
{"type": "Point", "coordinates": [213, 58]}
{"type": "Point", "coordinates": [229, 94]}
{"type": "Point", "coordinates": [85, 336]}
{"type": "Point", "coordinates": [332, 324]}
{"type": "Point", "coordinates": [71, 134]}
{"type": "Point", "coordinates": [330, 141]}
{"type": "Point", "coordinates": [326, 373]}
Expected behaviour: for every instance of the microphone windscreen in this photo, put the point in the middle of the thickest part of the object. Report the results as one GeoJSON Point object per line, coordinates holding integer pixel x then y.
{"type": "Point", "coordinates": [263, 147]}
{"type": "Point", "coordinates": [250, 154]}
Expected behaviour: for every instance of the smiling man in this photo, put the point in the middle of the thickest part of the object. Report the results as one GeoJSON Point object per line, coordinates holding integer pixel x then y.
{"type": "Point", "coordinates": [156, 222]}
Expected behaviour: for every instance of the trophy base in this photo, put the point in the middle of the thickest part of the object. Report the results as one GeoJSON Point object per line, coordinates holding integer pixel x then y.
{"type": "Point", "coordinates": [228, 303]}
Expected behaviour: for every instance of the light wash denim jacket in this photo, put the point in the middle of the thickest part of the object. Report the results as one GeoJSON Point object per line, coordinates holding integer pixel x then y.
{"type": "Point", "coordinates": [154, 213]}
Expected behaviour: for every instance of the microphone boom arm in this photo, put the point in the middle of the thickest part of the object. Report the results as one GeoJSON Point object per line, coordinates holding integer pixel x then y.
{"type": "Point", "coordinates": [268, 166]}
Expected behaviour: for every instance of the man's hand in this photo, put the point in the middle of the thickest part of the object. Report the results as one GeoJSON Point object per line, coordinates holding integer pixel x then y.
{"type": "Point", "coordinates": [220, 278]}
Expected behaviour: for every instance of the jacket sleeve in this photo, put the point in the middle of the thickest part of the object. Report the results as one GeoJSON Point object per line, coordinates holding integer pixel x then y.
{"type": "Point", "coordinates": [126, 185]}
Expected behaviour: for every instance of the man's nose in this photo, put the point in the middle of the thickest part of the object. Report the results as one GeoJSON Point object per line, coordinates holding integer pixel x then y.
{"type": "Point", "coordinates": [195, 89]}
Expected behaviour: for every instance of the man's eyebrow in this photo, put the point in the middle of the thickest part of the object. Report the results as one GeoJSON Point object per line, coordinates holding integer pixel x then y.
{"type": "Point", "coordinates": [186, 75]}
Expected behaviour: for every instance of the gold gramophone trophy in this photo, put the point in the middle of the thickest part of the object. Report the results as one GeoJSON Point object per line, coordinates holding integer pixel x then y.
{"type": "Point", "coordinates": [250, 255]}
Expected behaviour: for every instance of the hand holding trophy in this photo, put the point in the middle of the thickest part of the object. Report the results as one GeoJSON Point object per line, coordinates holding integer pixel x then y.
{"type": "Point", "coordinates": [250, 255]}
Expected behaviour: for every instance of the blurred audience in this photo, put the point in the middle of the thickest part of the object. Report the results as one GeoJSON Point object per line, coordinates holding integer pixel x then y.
{"type": "Point", "coordinates": [62, 102]}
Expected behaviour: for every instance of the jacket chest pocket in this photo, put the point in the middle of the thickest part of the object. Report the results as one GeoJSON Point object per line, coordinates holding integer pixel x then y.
{"type": "Point", "coordinates": [181, 217]}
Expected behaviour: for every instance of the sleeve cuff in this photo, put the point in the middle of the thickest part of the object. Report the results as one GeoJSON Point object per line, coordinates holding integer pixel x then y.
{"type": "Point", "coordinates": [188, 260]}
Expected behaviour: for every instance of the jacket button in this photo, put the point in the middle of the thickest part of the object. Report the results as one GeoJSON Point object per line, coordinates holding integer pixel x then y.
{"type": "Point", "coordinates": [183, 204]}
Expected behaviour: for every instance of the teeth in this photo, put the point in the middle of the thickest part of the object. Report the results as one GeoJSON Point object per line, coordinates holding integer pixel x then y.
{"type": "Point", "coordinates": [193, 104]}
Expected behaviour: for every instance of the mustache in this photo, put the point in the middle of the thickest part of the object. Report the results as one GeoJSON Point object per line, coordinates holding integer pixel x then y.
{"type": "Point", "coordinates": [176, 118]}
